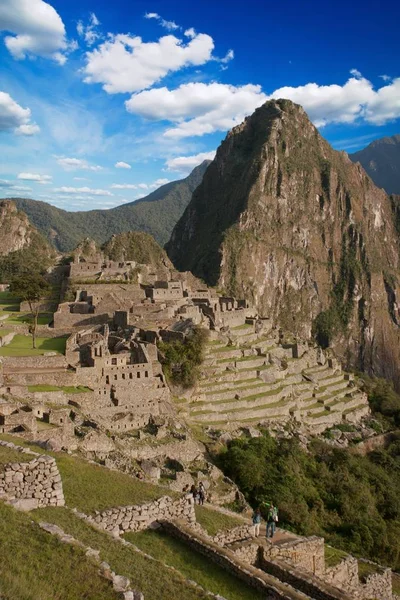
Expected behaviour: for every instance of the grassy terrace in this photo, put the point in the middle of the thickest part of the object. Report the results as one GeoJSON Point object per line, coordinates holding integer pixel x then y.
{"type": "Point", "coordinates": [214, 521]}
{"type": "Point", "coordinates": [67, 389]}
{"type": "Point", "coordinates": [192, 565]}
{"type": "Point", "coordinates": [36, 566]}
{"type": "Point", "coordinates": [21, 345]}
{"type": "Point", "coordinates": [333, 556]}
{"type": "Point", "coordinates": [365, 569]}
{"type": "Point", "coordinates": [89, 487]}
{"type": "Point", "coordinates": [8, 455]}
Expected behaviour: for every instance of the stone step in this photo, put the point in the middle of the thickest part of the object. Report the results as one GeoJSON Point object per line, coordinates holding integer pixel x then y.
{"type": "Point", "coordinates": [330, 389]}
{"type": "Point", "coordinates": [249, 389]}
{"type": "Point", "coordinates": [249, 402]}
{"type": "Point", "coordinates": [206, 387]}
{"type": "Point", "coordinates": [317, 370]}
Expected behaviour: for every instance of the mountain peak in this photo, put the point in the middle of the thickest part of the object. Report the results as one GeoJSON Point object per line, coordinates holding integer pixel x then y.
{"type": "Point", "coordinates": [300, 231]}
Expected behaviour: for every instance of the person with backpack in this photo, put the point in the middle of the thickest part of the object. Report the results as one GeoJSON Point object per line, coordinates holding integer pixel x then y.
{"type": "Point", "coordinates": [256, 522]}
{"type": "Point", "coordinates": [272, 519]}
{"type": "Point", "coordinates": [202, 493]}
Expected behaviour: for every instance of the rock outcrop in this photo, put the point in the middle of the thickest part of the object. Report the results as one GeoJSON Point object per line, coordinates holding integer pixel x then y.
{"type": "Point", "coordinates": [302, 232]}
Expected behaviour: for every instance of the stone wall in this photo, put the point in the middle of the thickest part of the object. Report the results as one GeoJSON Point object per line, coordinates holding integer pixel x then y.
{"type": "Point", "coordinates": [135, 518]}
{"type": "Point", "coordinates": [31, 484]}
{"type": "Point", "coordinates": [307, 553]}
{"type": "Point", "coordinates": [344, 575]}
{"type": "Point", "coordinates": [6, 339]}
{"type": "Point", "coordinates": [378, 585]}
{"type": "Point", "coordinates": [255, 578]}
{"type": "Point", "coordinates": [34, 362]}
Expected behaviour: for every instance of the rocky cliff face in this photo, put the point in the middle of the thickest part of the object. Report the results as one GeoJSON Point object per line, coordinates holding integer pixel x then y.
{"type": "Point", "coordinates": [16, 231]}
{"type": "Point", "coordinates": [297, 228]}
{"type": "Point", "coordinates": [381, 160]}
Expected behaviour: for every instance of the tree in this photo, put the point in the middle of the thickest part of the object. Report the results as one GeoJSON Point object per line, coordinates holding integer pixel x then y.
{"type": "Point", "coordinates": [31, 288]}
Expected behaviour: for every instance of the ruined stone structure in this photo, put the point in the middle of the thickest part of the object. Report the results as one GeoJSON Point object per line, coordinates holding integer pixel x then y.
{"type": "Point", "coordinates": [32, 484]}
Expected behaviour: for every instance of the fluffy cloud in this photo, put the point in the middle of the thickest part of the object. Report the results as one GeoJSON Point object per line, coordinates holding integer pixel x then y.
{"type": "Point", "coordinates": [186, 164]}
{"type": "Point", "coordinates": [89, 31]}
{"type": "Point", "coordinates": [14, 117]}
{"type": "Point", "coordinates": [5, 183]}
{"type": "Point", "coordinates": [158, 182]}
{"type": "Point", "coordinates": [122, 165]}
{"type": "Point", "coordinates": [198, 108]}
{"type": "Point", "coordinates": [169, 25]}
{"type": "Point", "coordinates": [125, 63]}
{"type": "Point", "coordinates": [82, 190]}
{"type": "Point", "coordinates": [42, 179]}
{"type": "Point", "coordinates": [36, 28]}
{"type": "Point", "coordinates": [139, 186]}
{"type": "Point", "coordinates": [75, 164]}
{"type": "Point", "coordinates": [356, 99]}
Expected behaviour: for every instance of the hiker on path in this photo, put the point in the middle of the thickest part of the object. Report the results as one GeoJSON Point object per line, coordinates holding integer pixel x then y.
{"type": "Point", "coordinates": [194, 491]}
{"type": "Point", "coordinates": [256, 522]}
{"type": "Point", "coordinates": [202, 493]}
{"type": "Point", "coordinates": [272, 519]}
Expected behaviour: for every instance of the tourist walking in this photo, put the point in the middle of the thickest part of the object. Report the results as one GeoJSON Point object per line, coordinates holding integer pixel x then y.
{"type": "Point", "coordinates": [202, 493]}
{"type": "Point", "coordinates": [256, 522]}
{"type": "Point", "coordinates": [195, 493]}
{"type": "Point", "coordinates": [272, 519]}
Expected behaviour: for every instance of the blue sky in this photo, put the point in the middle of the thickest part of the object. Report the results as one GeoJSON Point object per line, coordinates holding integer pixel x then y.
{"type": "Point", "coordinates": [102, 102]}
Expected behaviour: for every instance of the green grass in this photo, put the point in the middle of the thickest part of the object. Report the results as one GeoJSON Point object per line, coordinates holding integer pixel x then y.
{"type": "Point", "coordinates": [4, 332]}
{"type": "Point", "coordinates": [153, 578]}
{"type": "Point", "coordinates": [396, 584]}
{"type": "Point", "coordinates": [8, 455]}
{"type": "Point", "coordinates": [37, 566]}
{"type": "Point", "coordinates": [333, 556]}
{"type": "Point", "coordinates": [67, 389]}
{"type": "Point", "coordinates": [214, 521]}
{"type": "Point", "coordinates": [366, 569]}
{"type": "Point", "coordinates": [192, 565]}
{"type": "Point", "coordinates": [21, 345]}
{"type": "Point", "coordinates": [238, 327]}
{"type": "Point", "coordinates": [18, 318]}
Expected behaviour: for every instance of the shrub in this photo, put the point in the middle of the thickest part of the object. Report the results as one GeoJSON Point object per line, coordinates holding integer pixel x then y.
{"type": "Point", "coordinates": [181, 359]}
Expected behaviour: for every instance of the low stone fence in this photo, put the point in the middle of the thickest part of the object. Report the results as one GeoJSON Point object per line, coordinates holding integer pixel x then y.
{"type": "Point", "coordinates": [306, 553]}
{"type": "Point", "coordinates": [135, 518]}
{"type": "Point", "coordinates": [6, 339]}
{"type": "Point", "coordinates": [32, 484]}
{"type": "Point", "coordinates": [225, 538]}
{"type": "Point", "coordinates": [301, 580]}
{"type": "Point", "coordinates": [378, 585]}
{"type": "Point", "coordinates": [44, 361]}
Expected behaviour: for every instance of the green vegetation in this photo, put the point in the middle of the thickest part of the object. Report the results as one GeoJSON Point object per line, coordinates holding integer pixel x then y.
{"type": "Point", "coordinates": [192, 565]}
{"type": "Point", "coordinates": [366, 569]}
{"type": "Point", "coordinates": [396, 584]}
{"type": "Point", "coordinates": [21, 345]}
{"type": "Point", "coordinates": [156, 214]}
{"type": "Point", "coordinates": [36, 566]}
{"type": "Point", "coordinates": [135, 245]}
{"type": "Point", "coordinates": [333, 556]}
{"type": "Point", "coordinates": [181, 359]}
{"type": "Point", "coordinates": [35, 258]}
{"type": "Point", "coordinates": [384, 401]}
{"type": "Point", "coordinates": [9, 455]}
{"type": "Point", "coordinates": [152, 577]}
{"type": "Point", "coordinates": [18, 318]}
{"type": "Point", "coordinates": [351, 500]}
{"type": "Point", "coordinates": [214, 521]}
{"type": "Point", "coordinates": [67, 389]}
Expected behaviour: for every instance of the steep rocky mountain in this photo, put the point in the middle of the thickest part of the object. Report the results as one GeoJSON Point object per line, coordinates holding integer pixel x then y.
{"type": "Point", "coordinates": [156, 214]}
{"type": "Point", "coordinates": [21, 245]}
{"type": "Point", "coordinates": [381, 160]}
{"type": "Point", "coordinates": [301, 231]}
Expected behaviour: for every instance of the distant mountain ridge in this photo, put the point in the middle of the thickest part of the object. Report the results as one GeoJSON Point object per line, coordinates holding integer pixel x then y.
{"type": "Point", "coordinates": [381, 160]}
{"type": "Point", "coordinates": [156, 214]}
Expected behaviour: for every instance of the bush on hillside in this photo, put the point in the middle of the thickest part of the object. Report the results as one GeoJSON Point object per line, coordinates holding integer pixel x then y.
{"type": "Point", "coordinates": [351, 500]}
{"type": "Point", "coordinates": [181, 359]}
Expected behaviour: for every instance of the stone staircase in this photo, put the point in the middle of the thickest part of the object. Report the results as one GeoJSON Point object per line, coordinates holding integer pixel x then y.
{"type": "Point", "coordinates": [250, 378]}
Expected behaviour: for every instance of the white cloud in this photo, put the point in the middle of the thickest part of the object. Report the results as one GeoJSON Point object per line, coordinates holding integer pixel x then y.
{"type": "Point", "coordinates": [42, 179]}
{"type": "Point", "coordinates": [169, 25]}
{"type": "Point", "coordinates": [385, 77]}
{"type": "Point", "coordinates": [206, 107]}
{"type": "Point", "coordinates": [124, 186]}
{"type": "Point", "coordinates": [5, 183]}
{"type": "Point", "coordinates": [159, 182]}
{"type": "Point", "coordinates": [122, 165]}
{"type": "Point", "coordinates": [89, 32]}
{"type": "Point", "coordinates": [14, 117]}
{"type": "Point", "coordinates": [81, 179]}
{"type": "Point", "coordinates": [356, 99]}
{"type": "Point", "coordinates": [186, 164]}
{"type": "Point", "coordinates": [125, 63]}
{"type": "Point", "coordinates": [75, 164]}
{"type": "Point", "coordinates": [82, 190]}
{"type": "Point", "coordinates": [36, 28]}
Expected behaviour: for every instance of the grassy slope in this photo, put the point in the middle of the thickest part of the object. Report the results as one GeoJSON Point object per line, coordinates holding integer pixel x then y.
{"type": "Point", "coordinates": [36, 566]}
{"type": "Point", "coordinates": [152, 578]}
{"type": "Point", "coordinates": [192, 565]}
{"type": "Point", "coordinates": [213, 521]}
{"type": "Point", "coordinates": [156, 214]}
